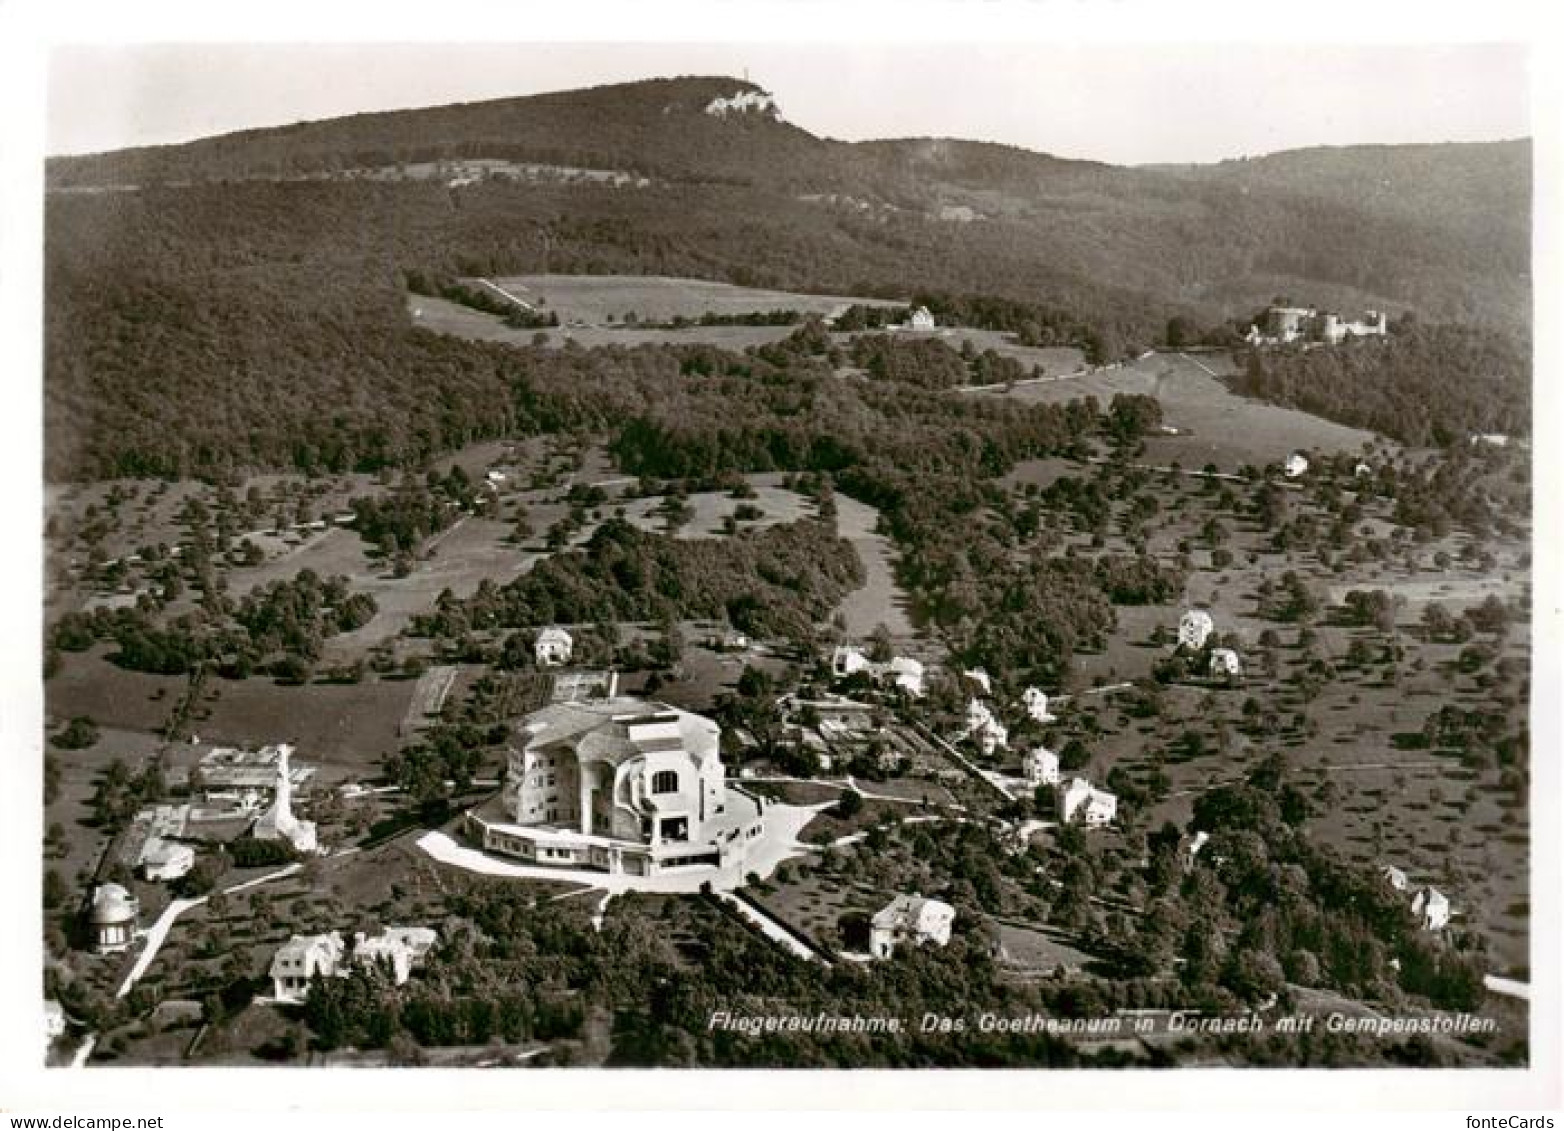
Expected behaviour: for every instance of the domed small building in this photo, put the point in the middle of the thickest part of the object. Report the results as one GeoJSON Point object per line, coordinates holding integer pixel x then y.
{"type": "Point", "coordinates": [112, 918]}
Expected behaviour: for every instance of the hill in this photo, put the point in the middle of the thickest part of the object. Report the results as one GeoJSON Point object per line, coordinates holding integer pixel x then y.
{"type": "Point", "coordinates": [207, 286]}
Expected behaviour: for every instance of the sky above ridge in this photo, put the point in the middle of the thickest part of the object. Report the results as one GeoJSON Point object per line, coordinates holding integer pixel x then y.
{"type": "Point", "coordinates": [1123, 103]}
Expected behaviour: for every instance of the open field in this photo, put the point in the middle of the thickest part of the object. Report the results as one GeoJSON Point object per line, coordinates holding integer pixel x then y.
{"type": "Point", "coordinates": [343, 726]}
{"type": "Point", "coordinates": [1217, 426]}
{"type": "Point", "coordinates": [600, 299]}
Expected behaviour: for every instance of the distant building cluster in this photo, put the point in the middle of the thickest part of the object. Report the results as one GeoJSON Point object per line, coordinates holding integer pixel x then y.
{"type": "Point", "coordinates": [1284, 325]}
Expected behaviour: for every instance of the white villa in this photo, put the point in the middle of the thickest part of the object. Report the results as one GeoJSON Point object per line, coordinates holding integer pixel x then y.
{"type": "Point", "coordinates": [1225, 662]}
{"type": "Point", "coordinates": [278, 822]}
{"type": "Point", "coordinates": [920, 319]}
{"type": "Point", "coordinates": [165, 859]}
{"type": "Point", "coordinates": [1194, 629]}
{"type": "Point", "coordinates": [1295, 465]}
{"type": "Point", "coordinates": [1037, 705]}
{"type": "Point", "coordinates": [553, 647]}
{"type": "Point", "coordinates": [910, 919]}
{"type": "Point", "coordinates": [619, 785]}
{"type": "Point", "coordinates": [901, 671]}
{"type": "Point", "coordinates": [401, 948]}
{"type": "Point", "coordinates": [983, 728]}
{"type": "Point", "coordinates": [1095, 807]}
{"type": "Point", "coordinates": [113, 918]}
{"type": "Point", "coordinates": [1040, 766]}
{"type": "Point", "coordinates": [303, 957]}
{"type": "Point", "coordinates": [1432, 908]}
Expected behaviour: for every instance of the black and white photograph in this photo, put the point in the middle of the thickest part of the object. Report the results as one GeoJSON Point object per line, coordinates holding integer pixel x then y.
{"type": "Point", "coordinates": [705, 549]}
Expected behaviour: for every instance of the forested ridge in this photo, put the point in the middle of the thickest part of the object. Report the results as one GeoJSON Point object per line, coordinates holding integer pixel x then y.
{"type": "Point", "coordinates": [229, 315]}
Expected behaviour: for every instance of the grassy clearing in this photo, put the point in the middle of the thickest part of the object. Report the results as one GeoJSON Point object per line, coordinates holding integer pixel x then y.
{"type": "Point", "coordinates": [1218, 426]}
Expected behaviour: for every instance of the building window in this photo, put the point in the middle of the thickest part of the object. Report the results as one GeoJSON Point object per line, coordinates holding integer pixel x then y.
{"type": "Point", "coordinates": [675, 828]}
{"type": "Point", "coordinates": [665, 781]}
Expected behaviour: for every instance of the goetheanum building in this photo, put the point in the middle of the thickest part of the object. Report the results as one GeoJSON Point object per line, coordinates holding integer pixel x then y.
{"type": "Point", "coordinates": [620, 785]}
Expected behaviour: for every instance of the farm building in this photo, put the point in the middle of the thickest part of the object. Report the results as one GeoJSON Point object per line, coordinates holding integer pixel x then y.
{"type": "Point", "coordinates": [1194, 629]}
{"type": "Point", "coordinates": [910, 919]}
{"type": "Point", "coordinates": [113, 918]}
{"type": "Point", "coordinates": [1295, 465]}
{"type": "Point", "coordinates": [1040, 766]}
{"type": "Point", "coordinates": [620, 785]}
{"type": "Point", "coordinates": [1094, 806]}
{"type": "Point", "coordinates": [1395, 877]}
{"type": "Point", "coordinates": [553, 647]}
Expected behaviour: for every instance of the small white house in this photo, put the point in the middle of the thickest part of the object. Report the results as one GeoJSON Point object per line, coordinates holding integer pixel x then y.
{"type": "Point", "coordinates": [1431, 906]}
{"type": "Point", "coordinates": [1095, 807]}
{"type": "Point", "coordinates": [401, 948]}
{"type": "Point", "coordinates": [848, 660]}
{"type": "Point", "coordinates": [301, 958]}
{"type": "Point", "coordinates": [1295, 465]}
{"type": "Point", "coordinates": [921, 319]}
{"type": "Point", "coordinates": [1189, 849]}
{"type": "Point", "coordinates": [1037, 705]}
{"type": "Point", "coordinates": [553, 647]}
{"type": "Point", "coordinates": [910, 919]}
{"type": "Point", "coordinates": [164, 860]}
{"type": "Point", "coordinates": [1194, 629]}
{"type": "Point", "coordinates": [1225, 662]}
{"type": "Point", "coordinates": [1395, 877]}
{"type": "Point", "coordinates": [984, 729]}
{"type": "Point", "coordinates": [1041, 766]}
{"type": "Point", "coordinates": [907, 674]}
{"type": "Point", "coordinates": [53, 1019]}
